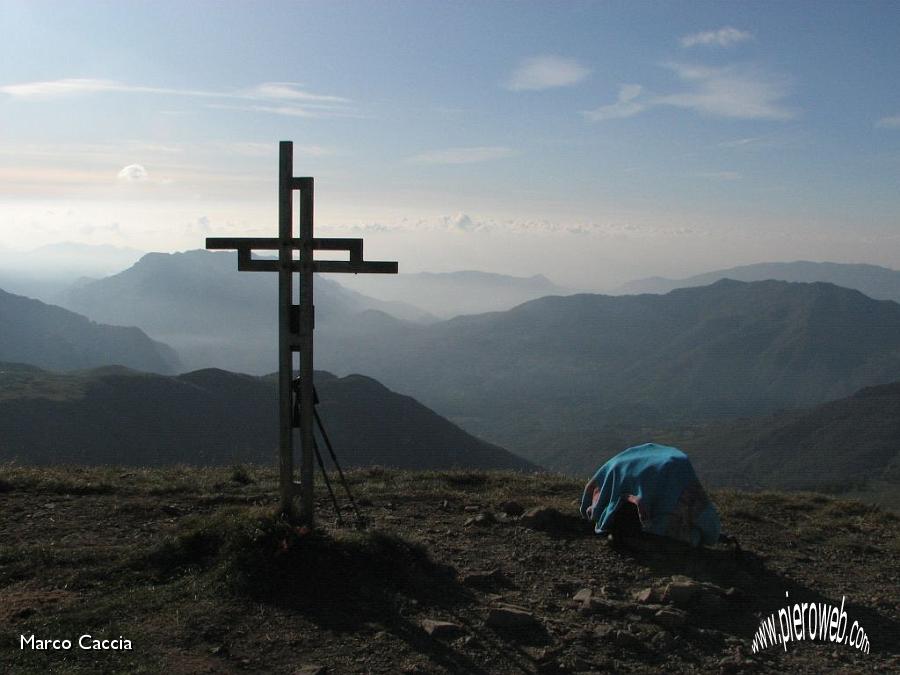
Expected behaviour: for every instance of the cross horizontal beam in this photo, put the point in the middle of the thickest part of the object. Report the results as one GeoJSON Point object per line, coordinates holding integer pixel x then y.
{"type": "Point", "coordinates": [246, 245]}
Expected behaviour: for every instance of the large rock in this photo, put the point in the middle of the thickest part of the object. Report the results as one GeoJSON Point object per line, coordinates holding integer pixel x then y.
{"type": "Point", "coordinates": [684, 592]}
{"type": "Point", "coordinates": [311, 669]}
{"type": "Point", "coordinates": [511, 617]}
{"type": "Point", "coordinates": [551, 521]}
{"type": "Point", "coordinates": [650, 595]}
{"type": "Point", "coordinates": [595, 605]}
{"type": "Point", "coordinates": [582, 596]}
{"type": "Point", "coordinates": [442, 630]}
{"type": "Point", "coordinates": [485, 580]}
{"type": "Point", "coordinates": [670, 617]}
{"type": "Point", "coordinates": [483, 518]}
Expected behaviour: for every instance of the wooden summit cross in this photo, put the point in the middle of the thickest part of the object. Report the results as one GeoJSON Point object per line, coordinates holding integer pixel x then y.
{"type": "Point", "coordinates": [297, 322]}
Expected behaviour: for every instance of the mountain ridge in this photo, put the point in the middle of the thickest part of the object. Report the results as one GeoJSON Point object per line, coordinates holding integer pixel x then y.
{"type": "Point", "coordinates": [53, 337]}
{"type": "Point", "coordinates": [729, 349]}
{"type": "Point", "coordinates": [879, 283]}
{"type": "Point", "coordinates": [214, 315]}
{"type": "Point", "coordinates": [212, 416]}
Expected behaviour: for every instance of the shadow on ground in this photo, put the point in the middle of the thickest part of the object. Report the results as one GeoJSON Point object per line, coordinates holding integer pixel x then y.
{"type": "Point", "coordinates": [760, 592]}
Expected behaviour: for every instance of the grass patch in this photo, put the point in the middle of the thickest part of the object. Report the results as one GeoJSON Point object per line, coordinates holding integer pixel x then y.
{"type": "Point", "coordinates": [58, 486]}
{"type": "Point", "coordinates": [340, 577]}
{"type": "Point", "coordinates": [241, 476]}
{"type": "Point", "coordinates": [466, 479]}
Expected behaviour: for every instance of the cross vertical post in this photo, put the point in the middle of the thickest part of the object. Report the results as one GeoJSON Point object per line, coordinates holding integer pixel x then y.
{"type": "Point", "coordinates": [285, 348]}
{"type": "Point", "coordinates": [307, 325]}
{"type": "Point", "coordinates": [296, 322]}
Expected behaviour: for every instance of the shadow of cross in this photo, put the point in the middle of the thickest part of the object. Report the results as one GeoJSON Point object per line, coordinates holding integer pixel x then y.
{"type": "Point", "coordinates": [296, 322]}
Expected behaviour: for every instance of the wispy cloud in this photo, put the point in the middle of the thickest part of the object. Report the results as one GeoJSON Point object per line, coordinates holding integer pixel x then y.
{"type": "Point", "coordinates": [462, 155]}
{"type": "Point", "coordinates": [626, 105]}
{"type": "Point", "coordinates": [742, 142]}
{"type": "Point", "coordinates": [730, 91]}
{"type": "Point", "coordinates": [546, 72]}
{"type": "Point", "coordinates": [290, 91]}
{"type": "Point", "coordinates": [173, 155]}
{"type": "Point", "coordinates": [289, 110]}
{"type": "Point", "coordinates": [723, 37]}
{"type": "Point", "coordinates": [281, 98]}
{"type": "Point", "coordinates": [720, 91]}
{"type": "Point", "coordinates": [71, 87]}
{"type": "Point", "coordinates": [891, 122]}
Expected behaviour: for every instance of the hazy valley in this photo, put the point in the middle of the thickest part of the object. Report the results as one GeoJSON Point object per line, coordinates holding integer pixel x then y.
{"type": "Point", "coordinates": [731, 371]}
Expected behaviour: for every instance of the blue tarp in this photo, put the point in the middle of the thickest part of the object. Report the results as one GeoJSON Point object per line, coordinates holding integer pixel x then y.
{"type": "Point", "coordinates": [660, 480]}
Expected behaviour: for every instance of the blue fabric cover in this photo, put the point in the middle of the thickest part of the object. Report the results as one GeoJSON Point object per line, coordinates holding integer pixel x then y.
{"type": "Point", "coordinates": [670, 499]}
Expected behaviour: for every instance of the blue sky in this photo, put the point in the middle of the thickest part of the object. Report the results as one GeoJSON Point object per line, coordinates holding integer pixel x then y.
{"type": "Point", "coordinates": [592, 142]}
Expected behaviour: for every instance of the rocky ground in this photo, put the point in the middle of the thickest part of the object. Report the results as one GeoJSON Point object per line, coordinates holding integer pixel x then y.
{"type": "Point", "coordinates": [456, 572]}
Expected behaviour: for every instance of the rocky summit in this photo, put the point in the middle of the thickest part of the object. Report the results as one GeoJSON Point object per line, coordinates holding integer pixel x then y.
{"type": "Point", "coordinates": [447, 572]}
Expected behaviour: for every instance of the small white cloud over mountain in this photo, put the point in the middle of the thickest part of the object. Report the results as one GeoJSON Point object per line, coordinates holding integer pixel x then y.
{"type": "Point", "coordinates": [133, 173]}
{"type": "Point", "coordinates": [722, 37]}
{"type": "Point", "coordinates": [546, 72]}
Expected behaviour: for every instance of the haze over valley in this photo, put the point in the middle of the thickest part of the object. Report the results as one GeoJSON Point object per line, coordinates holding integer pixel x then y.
{"type": "Point", "coordinates": [554, 379]}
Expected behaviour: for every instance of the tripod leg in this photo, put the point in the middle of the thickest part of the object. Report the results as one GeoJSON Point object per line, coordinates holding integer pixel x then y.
{"type": "Point", "coordinates": [337, 464]}
{"type": "Point", "coordinates": [337, 508]}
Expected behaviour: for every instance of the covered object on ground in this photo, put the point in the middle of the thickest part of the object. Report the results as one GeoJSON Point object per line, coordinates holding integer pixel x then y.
{"type": "Point", "coordinates": [660, 481]}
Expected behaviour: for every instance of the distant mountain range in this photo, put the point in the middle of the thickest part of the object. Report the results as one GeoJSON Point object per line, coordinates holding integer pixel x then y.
{"type": "Point", "coordinates": [451, 294]}
{"type": "Point", "coordinates": [212, 314]}
{"type": "Point", "coordinates": [42, 273]}
{"type": "Point", "coordinates": [558, 370]}
{"type": "Point", "coordinates": [877, 282]}
{"type": "Point", "coordinates": [52, 337]}
{"type": "Point", "coordinates": [116, 416]}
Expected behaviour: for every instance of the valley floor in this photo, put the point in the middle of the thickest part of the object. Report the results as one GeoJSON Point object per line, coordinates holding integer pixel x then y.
{"type": "Point", "coordinates": [185, 564]}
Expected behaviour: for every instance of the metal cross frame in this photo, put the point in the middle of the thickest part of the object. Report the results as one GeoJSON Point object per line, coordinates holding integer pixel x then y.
{"type": "Point", "coordinates": [297, 322]}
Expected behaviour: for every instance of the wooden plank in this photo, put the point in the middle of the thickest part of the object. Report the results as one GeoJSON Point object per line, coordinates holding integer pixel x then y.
{"type": "Point", "coordinates": [364, 267]}
{"type": "Point", "coordinates": [285, 301]}
{"type": "Point", "coordinates": [307, 325]}
{"type": "Point", "coordinates": [352, 244]}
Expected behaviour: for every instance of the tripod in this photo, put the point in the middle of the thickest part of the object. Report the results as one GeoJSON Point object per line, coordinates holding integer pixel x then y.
{"type": "Point", "coordinates": [295, 421]}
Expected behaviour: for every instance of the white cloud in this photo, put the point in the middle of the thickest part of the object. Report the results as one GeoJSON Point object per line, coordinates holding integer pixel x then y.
{"type": "Point", "coordinates": [891, 122]}
{"type": "Point", "coordinates": [462, 155]}
{"type": "Point", "coordinates": [723, 37]}
{"type": "Point", "coordinates": [626, 105]}
{"type": "Point", "coordinates": [75, 86]}
{"type": "Point", "coordinates": [546, 72]}
{"type": "Point", "coordinates": [281, 98]}
{"type": "Point", "coordinates": [742, 142]}
{"type": "Point", "coordinates": [290, 111]}
{"type": "Point", "coordinates": [461, 222]}
{"type": "Point", "coordinates": [56, 88]}
{"type": "Point", "coordinates": [721, 91]}
{"type": "Point", "coordinates": [730, 91]}
{"type": "Point", "coordinates": [290, 91]}
{"type": "Point", "coordinates": [133, 173]}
